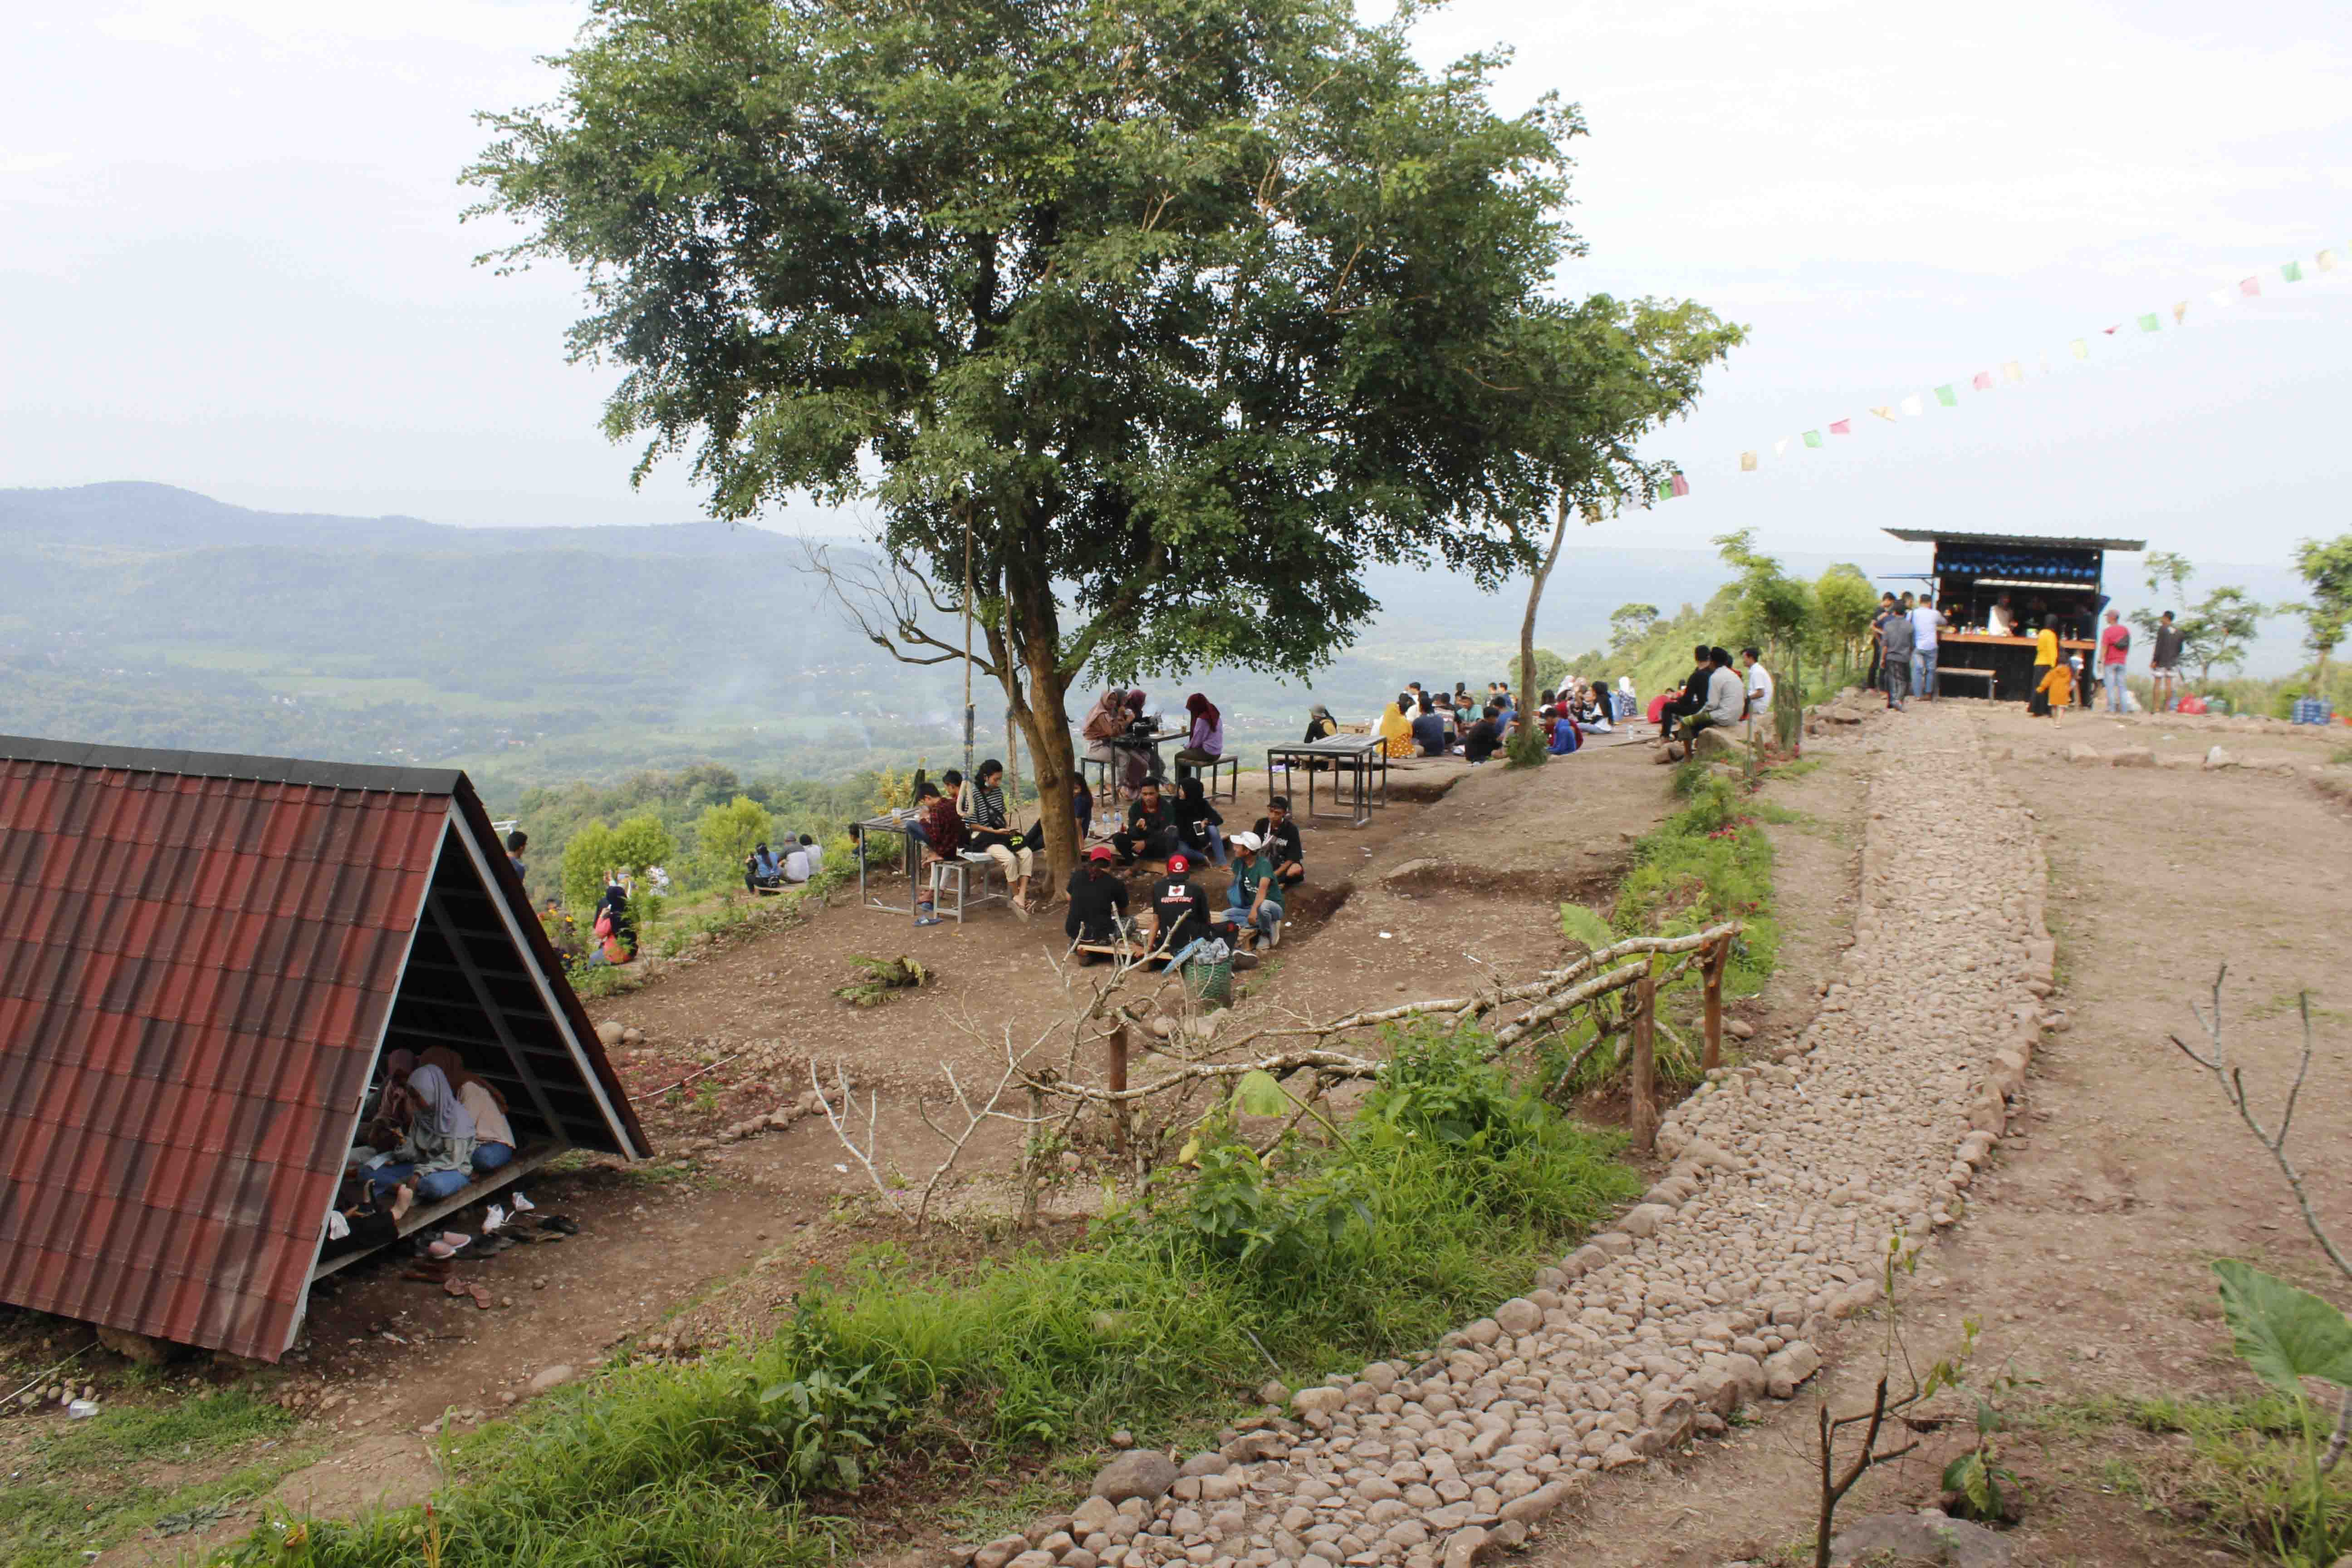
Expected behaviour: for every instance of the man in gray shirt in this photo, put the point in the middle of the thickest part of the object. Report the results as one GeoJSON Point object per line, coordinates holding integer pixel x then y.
{"type": "Point", "coordinates": [1726, 696]}
{"type": "Point", "coordinates": [1898, 641]}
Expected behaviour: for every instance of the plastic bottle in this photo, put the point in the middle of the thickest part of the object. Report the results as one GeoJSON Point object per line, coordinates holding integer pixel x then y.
{"type": "Point", "coordinates": [82, 1409]}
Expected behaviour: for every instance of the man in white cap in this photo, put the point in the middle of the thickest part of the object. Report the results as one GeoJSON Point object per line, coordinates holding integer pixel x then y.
{"type": "Point", "coordinates": [1251, 907]}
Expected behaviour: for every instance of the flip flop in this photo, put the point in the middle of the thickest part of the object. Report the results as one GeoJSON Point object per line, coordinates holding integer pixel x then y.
{"type": "Point", "coordinates": [491, 1246]}
{"type": "Point", "coordinates": [558, 1223]}
{"type": "Point", "coordinates": [456, 1287]}
{"type": "Point", "coordinates": [481, 1295]}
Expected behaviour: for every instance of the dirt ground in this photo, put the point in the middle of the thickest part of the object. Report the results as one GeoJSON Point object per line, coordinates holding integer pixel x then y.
{"type": "Point", "coordinates": [2086, 1250]}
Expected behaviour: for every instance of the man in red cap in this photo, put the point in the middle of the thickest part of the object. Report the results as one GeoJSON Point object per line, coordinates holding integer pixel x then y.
{"type": "Point", "coordinates": [1097, 898]}
{"type": "Point", "coordinates": [1180, 909]}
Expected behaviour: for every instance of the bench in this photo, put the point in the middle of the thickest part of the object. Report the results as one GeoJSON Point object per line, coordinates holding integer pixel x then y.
{"type": "Point", "coordinates": [958, 871]}
{"type": "Point", "coordinates": [423, 1215]}
{"type": "Point", "coordinates": [1230, 766]}
{"type": "Point", "coordinates": [1945, 672]}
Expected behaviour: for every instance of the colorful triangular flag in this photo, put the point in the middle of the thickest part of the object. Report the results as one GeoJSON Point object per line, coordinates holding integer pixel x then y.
{"type": "Point", "coordinates": [1813, 437]}
{"type": "Point", "coordinates": [1885, 412]}
{"type": "Point", "coordinates": [1946, 396]}
{"type": "Point", "coordinates": [2151, 323]}
{"type": "Point", "coordinates": [1913, 406]}
{"type": "Point", "coordinates": [2179, 311]}
{"type": "Point", "coordinates": [2327, 261]}
{"type": "Point", "coordinates": [1781, 447]}
{"type": "Point", "coordinates": [2249, 286]}
{"type": "Point", "coordinates": [1678, 486]}
{"type": "Point", "coordinates": [2081, 349]}
{"type": "Point", "coordinates": [2292, 271]}
{"type": "Point", "coordinates": [1983, 382]}
{"type": "Point", "coordinates": [1747, 462]}
{"type": "Point", "coordinates": [2111, 331]}
{"type": "Point", "coordinates": [2012, 371]}
{"type": "Point", "coordinates": [2220, 298]}
{"type": "Point", "coordinates": [1841, 426]}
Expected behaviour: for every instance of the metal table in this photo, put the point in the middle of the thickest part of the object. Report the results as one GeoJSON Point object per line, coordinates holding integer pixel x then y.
{"type": "Point", "coordinates": [1358, 756]}
{"type": "Point", "coordinates": [895, 825]}
{"type": "Point", "coordinates": [1104, 767]}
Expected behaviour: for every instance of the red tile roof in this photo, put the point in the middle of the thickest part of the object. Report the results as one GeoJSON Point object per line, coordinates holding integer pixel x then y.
{"type": "Point", "coordinates": [195, 972]}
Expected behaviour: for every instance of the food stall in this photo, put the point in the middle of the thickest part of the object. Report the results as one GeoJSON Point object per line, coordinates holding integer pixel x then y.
{"type": "Point", "coordinates": [1981, 579]}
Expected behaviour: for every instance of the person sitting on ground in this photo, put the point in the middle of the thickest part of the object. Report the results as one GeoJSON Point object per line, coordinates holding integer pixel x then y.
{"type": "Point", "coordinates": [1478, 741]}
{"type": "Point", "coordinates": [2055, 690]}
{"type": "Point", "coordinates": [1625, 703]}
{"type": "Point", "coordinates": [1198, 826]}
{"type": "Point", "coordinates": [1252, 908]}
{"type": "Point", "coordinates": [992, 832]}
{"type": "Point", "coordinates": [1179, 915]}
{"type": "Point", "coordinates": [1206, 743]}
{"type": "Point", "coordinates": [937, 830]}
{"type": "Point", "coordinates": [1082, 807]}
{"type": "Point", "coordinates": [1503, 700]}
{"type": "Point", "coordinates": [1150, 830]}
{"type": "Point", "coordinates": [805, 860]}
{"type": "Point", "coordinates": [1321, 725]}
{"type": "Point", "coordinates": [1395, 732]}
{"type": "Point", "coordinates": [1279, 836]}
{"type": "Point", "coordinates": [1597, 715]}
{"type": "Point", "coordinates": [1726, 698]}
{"type": "Point", "coordinates": [762, 873]}
{"type": "Point", "coordinates": [494, 1139]}
{"type": "Point", "coordinates": [1429, 729]}
{"type": "Point", "coordinates": [614, 930]}
{"type": "Point", "coordinates": [358, 1222]}
{"type": "Point", "coordinates": [517, 842]}
{"type": "Point", "coordinates": [1564, 735]}
{"type": "Point", "coordinates": [1097, 898]}
{"type": "Point", "coordinates": [438, 1148]}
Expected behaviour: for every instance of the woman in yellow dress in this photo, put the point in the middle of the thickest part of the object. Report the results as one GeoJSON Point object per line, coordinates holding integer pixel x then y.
{"type": "Point", "coordinates": [1396, 730]}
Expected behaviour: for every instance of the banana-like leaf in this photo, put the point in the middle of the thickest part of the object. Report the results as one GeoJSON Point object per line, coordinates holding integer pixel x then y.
{"type": "Point", "coordinates": [1260, 1094]}
{"type": "Point", "coordinates": [1579, 924]}
{"type": "Point", "coordinates": [2286, 1334]}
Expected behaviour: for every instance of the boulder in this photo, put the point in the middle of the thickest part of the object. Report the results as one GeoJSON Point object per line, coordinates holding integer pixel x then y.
{"type": "Point", "coordinates": [610, 1032]}
{"type": "Point", "coordinates": [2132, 757]}
{"type": "Point", "coordinates": [1788, 1366]}
{"type": "Point", "coordinates": [554, 1376]}
{"type": "Point", "coordinates": [1928, 1536]}
{"type": "Point", "coordinates": [1145, 1473]}
{"type": "Point", "coordinates": [1204, 1465]}
{"type": "Point", "coordinates": [1715, 740]}
{"type": "Point", "coordinates": [1000, 1551]}
{"type": "Point", "coordinates": [2219, 758]}
{"type": "Point", "coordinates": [1307, 1401]}
{"type": "Point", "coordinates": [1671, 1414]}
{"type": "Point", "coordinates": [139, 1348]}
{"type": "Point", "coordinates": [1518, 1316]}
{"type": "Point", "coordinates": [2084, 756]}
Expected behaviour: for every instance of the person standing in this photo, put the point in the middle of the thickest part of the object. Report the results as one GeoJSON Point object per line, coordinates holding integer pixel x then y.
{"type": "Point", "coordinates": [2046, 660]}
{"type": "Point", "coordinates": [1926, 622]}
{"type": "Point", "coordinates": [517, 842]}
{"type": "Point", "coordinates": [2115, 653]}
{"type": "Point", "coordinates": [1896, 638]}
{"type": "Point", "coordinates": [1759, 685]}
{"type": "Point", "coordinates": [2163, 661]}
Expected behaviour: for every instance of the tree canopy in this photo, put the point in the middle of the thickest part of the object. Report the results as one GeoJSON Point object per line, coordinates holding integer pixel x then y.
{"type": "Point", "coordinates": [2326, 569]}
{"type": "Point", "coordinates": [1181, 314]}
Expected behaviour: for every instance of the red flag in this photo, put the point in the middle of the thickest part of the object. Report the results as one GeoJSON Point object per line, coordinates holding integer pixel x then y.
{"type": "Point", "coordinates": [2249, 285]}
{"type": "Point", "coordinates": [1841, 426]}
{"type": "Point", "coordinates": [1983, 382]}
{"type": "Point", "coordinates": [2111, 331]}
{"type": "Point", "coordinates": [1680, 486]}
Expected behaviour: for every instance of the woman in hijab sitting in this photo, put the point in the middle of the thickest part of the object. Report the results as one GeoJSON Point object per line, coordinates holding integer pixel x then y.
{"type": "Point", "coordinates": [1321, 725]}
{"type": "Point", "coordinates": [1106, 724]}
{"type": "Point", "coordinates": [435, 1155]}
{"type": "Point", "coordinates": [1206, 743]}
{"type": "Point", "coordinates": [1395, 730]}
{"type": "Point", "coordinates": [494, 1139]}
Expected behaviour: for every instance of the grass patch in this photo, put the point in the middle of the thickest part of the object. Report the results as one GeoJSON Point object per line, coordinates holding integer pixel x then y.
{"type": "Point", "coordinates": [1446, 1189]}
{"type": "Point", "coordinates": [80, 1489]}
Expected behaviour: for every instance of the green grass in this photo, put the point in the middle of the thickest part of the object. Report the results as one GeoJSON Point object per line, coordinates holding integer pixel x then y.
{"type": "Point", "coordinates": [1448, 1190]}
{"type": "Point", "coordinates": [80, 1488]}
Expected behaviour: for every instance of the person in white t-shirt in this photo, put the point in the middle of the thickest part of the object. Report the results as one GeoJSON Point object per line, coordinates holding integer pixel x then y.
{"type": "Point", "coordinates": [1759, 685]}
{"type": "Point", "coordinates": [1925, 621]}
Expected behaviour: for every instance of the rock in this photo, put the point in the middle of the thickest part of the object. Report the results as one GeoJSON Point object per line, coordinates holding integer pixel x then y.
{"type": "Point", "coordinates": [633, 1036]}
{"type": "Point", "coordinates": [1718, 742]}
{"type": "Point", "coordinates": [1741, 1029]}
{"type": "Point", "coordinates": [138, 1348]}
{"type": "Point", "coordinates": [554, 1376]}
{"type": "Point", "coordinates": [1788, 1366]}
{"type": "Point", "coordinates": [1669, 1412]}
{"type": "Point", "coordinates": [1518, 1316]}
{"type": "Point", "coordinates": [1144, 1473]}
{"type": "Point", "coordinates": [609, 1032]}
{"type": "Point", "coordinates": [2219, 757]}
{"type": "Point", "coordinates": [1618, 1456]}
{"type": "Point", "coordinates": [1204, 1465]}
{"type": "Point", "coordinates": [2133, 757]}
{"type": "Point", "coordinates": [1275, 1394]}
{"type": "Point", "coordinates": [1928, 1536]}
{"type": "Point", "coordinates": [1094, 1513]}
{"type": "Point", "coordinates": [1536, 1504]}
{"type": "Point", "coordinates": [1643, 1219]}
{"type": "Point", "coordinates": [1464, 1547]}
{"type": "Point", "coordinates": [2084, 755]}
{"type": "Point", "coordinates": [1326, 1399]}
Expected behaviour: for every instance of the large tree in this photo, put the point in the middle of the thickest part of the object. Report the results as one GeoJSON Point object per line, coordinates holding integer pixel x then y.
{"type": "Point", "coordinates": [2326, 569]}
{"type": "Point", "coordinates": [1183, 313]}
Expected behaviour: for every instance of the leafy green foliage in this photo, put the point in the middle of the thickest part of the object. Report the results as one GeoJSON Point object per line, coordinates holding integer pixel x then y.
{"type": "Point", "coordinates": [1845, 601]}
{"type": "Point", "coordinates": [1629, 624]}
{"type": "Point", "coordinates": [1579, 923]}
{"type": "Point", "coordinates": [2326, 569]}
{"type": "Point", "coordinates": [725, 836]}
{"type": "Point", "coordinates": [2214, 632]}
{"type": "Point", "coordinates": [2285, 1333]}
{"type": "Point", "coordinates": [825, 1425]}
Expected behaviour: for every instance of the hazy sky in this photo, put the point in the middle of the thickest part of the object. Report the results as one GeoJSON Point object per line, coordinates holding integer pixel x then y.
{"type": "Point", "coordinates": [230, 257]}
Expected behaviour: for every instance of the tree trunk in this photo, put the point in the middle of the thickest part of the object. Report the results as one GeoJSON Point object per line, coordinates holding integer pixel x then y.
{"type": "Point", "coordinates": [1535, 602]}
{"type": "Point", "coordinates": [1036, 692]}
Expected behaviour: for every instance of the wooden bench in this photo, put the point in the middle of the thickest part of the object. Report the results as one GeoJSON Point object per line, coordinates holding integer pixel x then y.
{"type": "Point", "coordinates": [1944, 671]}
{"type": "Point", "coordinates": [422, 1214]}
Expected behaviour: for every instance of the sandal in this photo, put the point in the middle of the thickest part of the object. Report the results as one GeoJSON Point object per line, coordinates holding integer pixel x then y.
{"type": "Point", "coordinates": [556, 1222]}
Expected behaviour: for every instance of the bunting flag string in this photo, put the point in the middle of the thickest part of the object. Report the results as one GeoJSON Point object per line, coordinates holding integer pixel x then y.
{"type": "Point", "coordinates": [1914, 404]}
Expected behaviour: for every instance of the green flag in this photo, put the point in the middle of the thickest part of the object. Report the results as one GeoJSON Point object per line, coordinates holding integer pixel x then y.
{"type": "Point", "coordinates": [2292, 272]}
{"type": "Point", "coordinates": [2150, 322]}
{"type": "Point", "coordinates": [1813, 437]}
{"type": "Point", "coordinates": [1946, 396]}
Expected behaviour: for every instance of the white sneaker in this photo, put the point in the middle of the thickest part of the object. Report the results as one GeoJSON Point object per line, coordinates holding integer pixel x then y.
{"type": "Point", "coordinates": [523, 1205]}
{"type": "Point", "coordinates": [1274, 934]}
{"type": "Point", "coordinates": [497, 1217]}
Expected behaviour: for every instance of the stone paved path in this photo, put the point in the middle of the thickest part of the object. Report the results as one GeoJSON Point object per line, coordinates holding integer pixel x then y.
{"type": "Point", "coordinates": [1789, 1179]}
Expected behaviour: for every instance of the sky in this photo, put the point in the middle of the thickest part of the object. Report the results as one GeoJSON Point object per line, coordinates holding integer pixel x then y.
{"type": "Point", "coordinates": [231, 259]}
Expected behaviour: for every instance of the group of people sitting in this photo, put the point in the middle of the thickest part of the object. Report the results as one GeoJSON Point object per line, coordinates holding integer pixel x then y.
{"type": "Point", "coordinates": [1120, 735]}
{"type": "Point", "coordinates": [765, 871]}
{"type": "Point", "coordinates": [1263, 863]}
{"type": "Point", "coordinates": [435, 1125]}
{"type": "Point", "coordinates": [1420, 723]}
{"type": "Point", "coordinates": [960, 816]}
{"type": "Point", "coordinates": [1714, 695]}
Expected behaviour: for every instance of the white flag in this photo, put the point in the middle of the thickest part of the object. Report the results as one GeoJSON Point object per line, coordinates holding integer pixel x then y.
{"type": "Point", "coordinates": [1781, 447]}
{"type": "Point", "coordinates": [2220, 297]}
{"type": "Point", "coordinates": [1913, 406]}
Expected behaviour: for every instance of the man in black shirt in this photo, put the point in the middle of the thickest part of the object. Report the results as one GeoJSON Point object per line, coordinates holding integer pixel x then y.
{"type": "Point", "coordinates": [1479, 741]}
{"type": "Point", "coordinates": [1694, 693]}
{"type": "Point", "coordinates": [1281, 835]}
{"type": "Point", "coordinates": [1180, 909]}
{"type": "Point", "coordinates": [1097, 898]}
{"type": "Point", "coordinates": [1150, 830]}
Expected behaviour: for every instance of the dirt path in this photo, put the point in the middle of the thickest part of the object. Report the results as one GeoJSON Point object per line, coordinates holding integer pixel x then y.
{"type": "Point", "coordinates": [2084, 1250]}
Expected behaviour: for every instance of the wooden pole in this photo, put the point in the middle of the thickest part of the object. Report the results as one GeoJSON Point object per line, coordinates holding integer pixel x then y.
{"type": "Point", "coordinates": [1711, 970]}
{"type": "Point", "coordinates": [1029, 1158]}
{"type": "Point", "coordinates": [1643, 1116]}
{"type": "Point", "coordinates": [1116, 1083]}
{"type": "Point", "coordinates": [966, 510]}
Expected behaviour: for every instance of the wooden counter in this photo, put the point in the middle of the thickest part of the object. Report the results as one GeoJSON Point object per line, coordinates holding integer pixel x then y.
{"type": "Point", "coordinates": [1987, 639]}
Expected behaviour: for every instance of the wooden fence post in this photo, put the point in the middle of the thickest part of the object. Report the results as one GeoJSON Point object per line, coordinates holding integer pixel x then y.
{"type": "Point", "coordinates": [1711, 970]}
{"type": "Point", "coordinates": [1029, 1158]}
{"type": "Point", "coordinates": [1643, 1116]}
{"type": "Point", "coordinates": [1117, 1081]}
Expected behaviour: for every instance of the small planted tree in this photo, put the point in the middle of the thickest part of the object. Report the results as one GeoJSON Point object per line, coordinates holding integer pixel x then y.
{"type": "Point", "coordinates": [2327, 611]}
{"type": "Point", "coordinates": [725, 836]}
{"type": "Point", "coordinates": [2214, 631]}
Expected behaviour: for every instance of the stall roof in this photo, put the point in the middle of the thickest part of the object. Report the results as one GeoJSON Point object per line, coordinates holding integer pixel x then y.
{"type": "Point", "coordinates": [200, 959]}
{"type": "Point", "coordinates": [1943, 536]}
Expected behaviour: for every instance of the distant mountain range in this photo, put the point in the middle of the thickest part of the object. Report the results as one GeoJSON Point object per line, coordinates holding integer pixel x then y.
{"type": "Point", "coordinates": [148, 615]}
